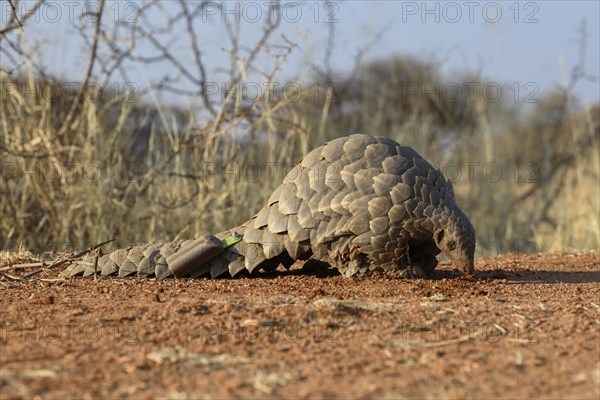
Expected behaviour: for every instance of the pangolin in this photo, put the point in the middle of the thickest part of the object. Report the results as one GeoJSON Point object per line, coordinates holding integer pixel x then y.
{"type": "Point", "coordinates": [358, 203]}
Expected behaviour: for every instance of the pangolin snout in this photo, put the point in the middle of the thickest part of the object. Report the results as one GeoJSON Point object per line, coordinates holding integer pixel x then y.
{"type": "Point", "coordinates": [466, 267]}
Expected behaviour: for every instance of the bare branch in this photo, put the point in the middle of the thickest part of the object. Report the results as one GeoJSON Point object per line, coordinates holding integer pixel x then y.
{"type": "Point", "coordinates": [19, 23]}
{"type": "Point", "coordinates": [77, 102]}
{"type": "Point", "coordinates": [199, 64]}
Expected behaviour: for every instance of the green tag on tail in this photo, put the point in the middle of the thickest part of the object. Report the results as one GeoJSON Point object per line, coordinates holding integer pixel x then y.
{"type": "Point", "coordinates": [231, 240]}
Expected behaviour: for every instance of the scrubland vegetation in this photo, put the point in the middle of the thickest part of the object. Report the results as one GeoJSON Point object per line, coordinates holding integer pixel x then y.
{"type": "Point", "coordinates": [82, 165]}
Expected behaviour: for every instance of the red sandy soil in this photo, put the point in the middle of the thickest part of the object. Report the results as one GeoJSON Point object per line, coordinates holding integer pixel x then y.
{"type": "Point", "coordinates": [526, 326]}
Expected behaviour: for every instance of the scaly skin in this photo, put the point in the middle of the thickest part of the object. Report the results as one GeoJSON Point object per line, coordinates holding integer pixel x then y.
{"type": "Point", "coordinates": [359, 203]}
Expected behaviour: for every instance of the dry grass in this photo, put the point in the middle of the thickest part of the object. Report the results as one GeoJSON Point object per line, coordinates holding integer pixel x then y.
{"type": "Point", "coordinates": [17, 256]}
{"type": "Point", "coordinates": [62, 193]}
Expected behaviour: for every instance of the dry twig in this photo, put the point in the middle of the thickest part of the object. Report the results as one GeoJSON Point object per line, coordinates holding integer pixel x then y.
{"type": "Point", "coordinates": [90, 249]}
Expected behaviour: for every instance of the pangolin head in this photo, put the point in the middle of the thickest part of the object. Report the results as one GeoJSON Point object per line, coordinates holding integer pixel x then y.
{"type": "Point", "coordinates": [457, 241]}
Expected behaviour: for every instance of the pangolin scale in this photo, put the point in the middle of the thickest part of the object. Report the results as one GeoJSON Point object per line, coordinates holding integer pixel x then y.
{"type": "Point", "coordinates": [358, 203]}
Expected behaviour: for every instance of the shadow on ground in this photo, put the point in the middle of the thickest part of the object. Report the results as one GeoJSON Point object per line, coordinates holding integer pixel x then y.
{"type": "Point", "coordinates": [323, 270]}
{"type": "Point", "coordinates": [527, 276]}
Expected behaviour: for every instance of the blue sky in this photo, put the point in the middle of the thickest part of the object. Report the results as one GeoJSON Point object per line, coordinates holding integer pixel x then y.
{"type": "Point", "coordinates": [507, 41]}
{"type": "Point", "coordinates": [529, 50]}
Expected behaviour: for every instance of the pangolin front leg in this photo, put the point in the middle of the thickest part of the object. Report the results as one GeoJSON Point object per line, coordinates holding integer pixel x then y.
{"type": "Point", "coordinates": [359, 203]}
